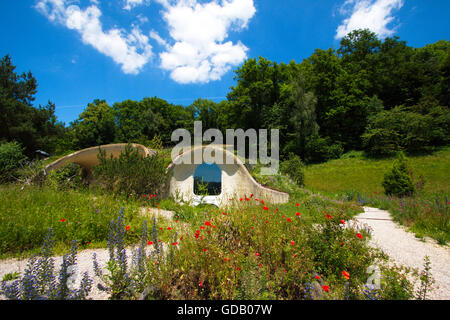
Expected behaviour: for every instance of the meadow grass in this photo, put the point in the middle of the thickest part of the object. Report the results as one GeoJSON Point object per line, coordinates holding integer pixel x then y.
{"type": "Point", "coordinates": [366, 175]}
{"type": "Point", "coordinates": [84, 215]}
{"type": "Point", "coordinates": [358, 178]}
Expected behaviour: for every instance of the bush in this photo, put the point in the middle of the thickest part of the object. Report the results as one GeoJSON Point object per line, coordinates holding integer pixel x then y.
{"type": "Point", "coordinates": [294, 168]}
{"type": "Point", "coordinates": [320, 149]}
{"type": "Point", "coordinates": [335, 151]}
{"type": "Point", "coordinates": [398, 181]}
{"type": "Point", "coordinates": [70, 176]}
{"type": "Point", "coordinates": [11, 158]}
{"type": "Point", "coordinates": [131, 173]}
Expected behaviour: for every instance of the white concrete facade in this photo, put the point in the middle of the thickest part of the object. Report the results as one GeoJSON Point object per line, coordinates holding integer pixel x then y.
{"type": "Point", "coordinates": [237, 181]}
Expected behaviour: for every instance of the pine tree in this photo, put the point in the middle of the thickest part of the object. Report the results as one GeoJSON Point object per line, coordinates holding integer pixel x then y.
{"type": "Point", "coordinates": [398, 181]}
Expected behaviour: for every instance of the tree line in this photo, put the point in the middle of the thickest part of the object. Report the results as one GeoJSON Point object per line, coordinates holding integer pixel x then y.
{"type": "Point", "coordinates": [380, 96]}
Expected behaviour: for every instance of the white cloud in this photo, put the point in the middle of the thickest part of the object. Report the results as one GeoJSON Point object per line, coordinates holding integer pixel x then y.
{"type": "Point", "coordinates": [130, 50]}
{"type": "Point", "coordinates": [199, 53]}
{"type": "Point", "coordinates": [130, 4]}
{"type": "Point", "coordinates": [155, 36]}
{"type": "Point", "coordinates": [375, 15]}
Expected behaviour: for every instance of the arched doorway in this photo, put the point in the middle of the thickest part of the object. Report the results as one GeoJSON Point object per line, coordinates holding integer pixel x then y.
{"type": "Point", "coordinates": [207, 184]}
{"type": "Point", "coordinates": [207, 180]}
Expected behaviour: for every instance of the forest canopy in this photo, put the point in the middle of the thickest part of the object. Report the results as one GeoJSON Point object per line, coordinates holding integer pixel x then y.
{"type": "Point", "coordinates": [380, 96]}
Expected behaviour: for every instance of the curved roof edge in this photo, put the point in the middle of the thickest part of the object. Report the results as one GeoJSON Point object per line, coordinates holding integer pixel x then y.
{"type": "Point", "coordinates": [87, 157]}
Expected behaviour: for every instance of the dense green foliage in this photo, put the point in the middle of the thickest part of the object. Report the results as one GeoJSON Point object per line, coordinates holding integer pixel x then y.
{"type": "Point", "coordinates": [34, 128]}
{"type": "Point", "coordinates": [11, 157]}
{"type": "Point", "coordinates": [398, 181]}
{"type": "Point", "coordinates": [131, 174]}
{"type": "Point", "coordinates": [380, 96]}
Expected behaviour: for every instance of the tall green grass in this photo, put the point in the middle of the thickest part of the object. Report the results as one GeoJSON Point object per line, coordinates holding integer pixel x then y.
{"type": "Point", "coordinates": [27, 215]}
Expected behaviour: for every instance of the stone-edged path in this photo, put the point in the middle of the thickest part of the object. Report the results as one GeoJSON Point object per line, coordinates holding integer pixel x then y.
{"type": "Point", "coordinates": [405, 249]}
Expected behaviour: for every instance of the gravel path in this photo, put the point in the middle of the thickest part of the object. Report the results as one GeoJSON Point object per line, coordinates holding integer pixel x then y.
{"type": "Point", "coordinates": [405, 249]}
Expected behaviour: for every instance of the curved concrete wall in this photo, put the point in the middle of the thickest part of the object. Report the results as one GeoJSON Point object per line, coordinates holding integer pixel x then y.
{"type": "Point", "coordinates": [236, 180]}
{"type": "Point", "coordinates": [87, 158]}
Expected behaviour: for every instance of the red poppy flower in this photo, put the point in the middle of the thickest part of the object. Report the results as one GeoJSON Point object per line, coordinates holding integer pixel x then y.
{"type": "Point", "coordinates": [89, 242]}
{"type": "Point", "coordinates": [267, 221]}
{"type": "Point", "coordinates": [293, 243]}
{"type": "Point", "coordinates": [224, 213]}
{"type": "Point", "coordinates": [197, 235]}
{"type": "Point", "coordinates": [342, 244]}
{"type": "Point", "coordinates": [204, 250]}
{"type": "Point", "coordinates": [226, 260]}
{"type": "Point", "coordinates": [359, 235]}
{"type": "Point", "coordinates": [317, 277]}
{"type": "Point", "coordinates": [241, 199]}
{"type": "Point", "coordinates": [297, 204]}
{"type": "Point", "coordinates": [346, 274]}
{"type": "Point", "coordinates": [285, 271]}
{"type": "Point", "coordinates": [247, 199]}
{"type": "Point", "coordinates": [289, 220]}
{"type": "Point", "coordinates": [202, 228]}
{"type": "Point", "coordinates": [251, 196]}
{"type": "Point", "coordinates": [265, 208]}
{"type": "Point", "coordinates": [127, 228]}
{"type": "Point", "coordinates": [260, 265]}
{"type": "Point", "coordinates": [62, 220]}
{"type": "Point", "coordinates": [181, 238]}
{"type": "Point", "coordinates": [150, 243]}
{"type": "Point", "coordinates": [298, 214]}
{"type": "Point", "coordinates": [342, 221]}
{"type": "Point", "coordinates": [295, 255]}
{"type": "Point", "coordinates": [169, 228]}
{"type": "Point", "coordinates": [201, 284]}
{"type": "Point", "coordinates": [257, 254]}
{"type": "Point", "coordinates": [174, 243]}
{"type": "Point", "coordinates": [329, 216]}
{"type": "Point", "coordinates": [262, 201]}
{"type": "Point", "coordinates": [207, 223]}
{"type": "Point", "coordinates": [326, 288]}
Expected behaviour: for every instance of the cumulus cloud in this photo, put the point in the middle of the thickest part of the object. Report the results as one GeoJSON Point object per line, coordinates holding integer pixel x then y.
{"type": "Point", "coordinates": [375, 15]}
{"type": "Point", "coordinates": [199, 52]}
{"type": "Point", "coordinates": [130, 50]}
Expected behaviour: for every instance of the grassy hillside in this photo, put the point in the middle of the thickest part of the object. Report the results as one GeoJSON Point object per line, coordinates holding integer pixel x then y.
{"type": "Point", "coordinates": [365, 175]}
{"type": "Point", "coordinates": [427, 214]}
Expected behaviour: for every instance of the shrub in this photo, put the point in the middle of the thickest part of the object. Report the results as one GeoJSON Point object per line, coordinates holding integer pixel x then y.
{"type": "Point", "coordinates": [316, 150]}
{"type": "Point", "coordinates": [70, 176]}
{"type": "Point", "coordinates": [398, 181]}
{"type": "Point", "coordinates": [335, 151]}
{"type": "Point", "coordinates": [131, 173]}
{"type": "Point", "coordinates": [320, 149]}
{"type": "Point", "coordinates": [294, 168]}
{"type": "Point", "coordinates": [11, 158]}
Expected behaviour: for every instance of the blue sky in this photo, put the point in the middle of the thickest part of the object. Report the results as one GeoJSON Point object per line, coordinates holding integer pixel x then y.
{"type": "Point", "coordinates": [181, 50]}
